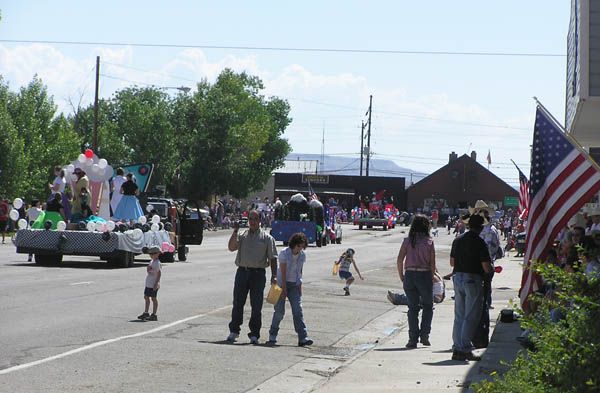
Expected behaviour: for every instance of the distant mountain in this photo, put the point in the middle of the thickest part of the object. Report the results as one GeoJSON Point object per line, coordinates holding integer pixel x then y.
{"type": "Point", "coordinates": [339, 165]}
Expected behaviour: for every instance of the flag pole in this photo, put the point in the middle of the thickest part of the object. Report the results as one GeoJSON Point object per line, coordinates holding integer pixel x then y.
{"type": "Point", "coordinates": [516, 166]}
{"type": "Point", "coordinates": [566, 134]}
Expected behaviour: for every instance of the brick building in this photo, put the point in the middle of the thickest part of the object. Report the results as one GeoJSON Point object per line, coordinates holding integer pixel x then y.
{"type": "Point", "coordinates": [458, 185]}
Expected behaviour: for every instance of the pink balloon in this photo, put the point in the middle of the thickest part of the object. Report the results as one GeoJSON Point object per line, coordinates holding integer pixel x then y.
{"type": "Point", "coordinates": [171, 248]}
{"type": "Point", "coordinates": [165, 246]}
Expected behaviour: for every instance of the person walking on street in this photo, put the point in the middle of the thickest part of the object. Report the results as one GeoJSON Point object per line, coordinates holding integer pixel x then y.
{"type": "Point", "coordinates": [289, 277]}
{"type": "Point", "coordinates": [417, 275]}
{"type": "Point", "coordinates": [255, 251]}
{"type": "Point", "coordinates": [470, 260]}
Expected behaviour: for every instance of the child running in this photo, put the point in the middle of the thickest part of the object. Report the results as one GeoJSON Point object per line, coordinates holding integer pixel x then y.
{"type": "Point", "coordinates": [345, 260]}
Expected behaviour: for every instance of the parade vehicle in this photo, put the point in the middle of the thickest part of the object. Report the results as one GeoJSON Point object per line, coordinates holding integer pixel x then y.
{"type": "Point", "coordinates": [375, 216]}
{"type": "Point", "coordinates": [300, 215]}
{"type": "Point", "coordinates": [96, 235]}
{"type": "Point", "coordinates": [184, 221]}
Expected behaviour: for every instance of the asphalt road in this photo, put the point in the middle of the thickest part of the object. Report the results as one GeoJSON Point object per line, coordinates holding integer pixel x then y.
{"type": "Point", "coordinates": [73, 328]}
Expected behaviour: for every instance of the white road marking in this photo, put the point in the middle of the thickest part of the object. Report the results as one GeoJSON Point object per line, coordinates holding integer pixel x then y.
{"type": "Point", "coordinates": [109, 341]}
{"type": "Point", "coordinates": [82, 283]}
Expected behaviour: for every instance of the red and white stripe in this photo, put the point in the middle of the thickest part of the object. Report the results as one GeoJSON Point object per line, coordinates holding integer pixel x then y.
{"type": "Point", "coordinates": [523, 198]}
{"type": "Point", "coordinates": [572, 183]}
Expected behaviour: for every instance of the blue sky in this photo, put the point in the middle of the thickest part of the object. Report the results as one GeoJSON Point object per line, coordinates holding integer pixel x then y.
{"type": "Point", "coordinates": [424, 105]}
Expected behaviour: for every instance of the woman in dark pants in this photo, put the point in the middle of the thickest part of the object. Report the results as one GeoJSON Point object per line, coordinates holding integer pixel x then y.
{"type": "Point", "coordinates": [416, 267]}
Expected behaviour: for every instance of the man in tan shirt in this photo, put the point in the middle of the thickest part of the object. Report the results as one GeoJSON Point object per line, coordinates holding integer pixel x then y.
{"type": "Point", "coordinates": [255, 252]}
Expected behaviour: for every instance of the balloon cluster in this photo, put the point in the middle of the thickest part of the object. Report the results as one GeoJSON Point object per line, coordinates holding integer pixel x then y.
{"type": "Point", "coordinates": [14, 214]}
{"type": "Point", "coordinates": [97, 170]}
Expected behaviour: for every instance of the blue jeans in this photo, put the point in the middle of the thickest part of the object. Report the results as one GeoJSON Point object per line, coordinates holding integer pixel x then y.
{"type": "Point", "coordinates": [418, 287]}
{"type": "Point", "coordinates": [468, 303]}
{"type": "Point", "coordinates": [252, 281]}
{"type": "Point", "coordinates": [293, 294]}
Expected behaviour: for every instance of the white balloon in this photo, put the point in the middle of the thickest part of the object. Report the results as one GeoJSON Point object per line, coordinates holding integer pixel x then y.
{"type": "Point", "coordinates": [137, 232]}
{"type": "Point", "coordinates": [154, 227]}
{"type": "Point", "coordinates": [142, 220]}
{"type": "Point", "coordinates": [91, 226]}
{"type": "Point", "coordinates": [102, 163]}
{"type": "Point", "coordinates": [73, 177]}
{"type": "Point", "coordinates": [100, 226]}
{"type": "Point", "coordinates": [22, 223]}
{"type": "Point", "coordinates": [61, 226]}
{"type": "Point", "coordinates": [96, 168]}
{"type": "Point", "coordinates": [155, 219]}
{"type": "Point", "coordinates": [111, 225]}
{"type": "Point", "coordinates": [149, 208]}
{"type": "Point", "coordinates": [70, 168]}
{"type": "Point", "coordinates": [18, 203]}
{"type": "Point", "coordinates": [89, 161]}
{"type": "Point", "coordinates": [81, 158]}
{"type": "Point", "coordinates": [14, 215]}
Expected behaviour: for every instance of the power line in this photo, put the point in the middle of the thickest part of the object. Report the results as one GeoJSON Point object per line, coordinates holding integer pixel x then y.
{"type": "Point", "coordinates": [410, 116]}
{"type": "Point", "coordinates": [150, 72]}
{"type": "Point", "coordinates": [291, 49]}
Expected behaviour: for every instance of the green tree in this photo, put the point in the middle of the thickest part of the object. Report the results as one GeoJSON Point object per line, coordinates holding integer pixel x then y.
{"type": "Point", "coordinates": [142, 117]}
{"type": "Point", "coordinates": [48, 140]}
{"type": "Point", "coordinates": [111, 144]}
{"type": "Point", "coordinates": [12, 158]}
{"type": "Point", "coordinates": [233, 138]}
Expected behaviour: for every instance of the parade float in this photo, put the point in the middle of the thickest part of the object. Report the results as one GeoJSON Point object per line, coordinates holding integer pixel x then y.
{"type": "Point", "coordinates": [300, 215]}
{"type": "Point", "coordinates": [117, 242]}
{"type": "Point", "coordinates": [376, 215]}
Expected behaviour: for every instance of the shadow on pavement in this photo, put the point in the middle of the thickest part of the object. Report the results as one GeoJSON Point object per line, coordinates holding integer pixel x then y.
{"type": "Point", "coordinates": [100, 265]}
{"type": "Point", "coordinates": [448, 362]}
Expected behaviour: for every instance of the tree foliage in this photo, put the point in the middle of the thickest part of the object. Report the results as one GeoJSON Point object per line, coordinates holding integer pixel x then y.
{"type": "Point", "coordinates": [233, 136]}
{"type": "Point", "coordinates": [224, 137]}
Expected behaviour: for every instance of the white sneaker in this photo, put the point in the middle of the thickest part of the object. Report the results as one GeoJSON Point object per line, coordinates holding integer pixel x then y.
{"type": "Point", "coordinates": [232, 337]}
{"type": "Point", "coordinates": [253, 340]}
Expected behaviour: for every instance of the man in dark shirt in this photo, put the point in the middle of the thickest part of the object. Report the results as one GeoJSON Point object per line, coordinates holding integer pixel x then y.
{"type": "Point", "coordinates": [470, 259]}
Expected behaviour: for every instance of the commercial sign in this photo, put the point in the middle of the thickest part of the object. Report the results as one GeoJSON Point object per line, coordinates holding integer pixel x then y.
{"type": "Point", "coordinates": [511, 201]}
{"type": "Point", "coordinates": [315, 179]}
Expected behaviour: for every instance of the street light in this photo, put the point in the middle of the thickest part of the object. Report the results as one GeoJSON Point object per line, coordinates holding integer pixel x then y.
{"type": "Point", "coordinates": [184, 89]}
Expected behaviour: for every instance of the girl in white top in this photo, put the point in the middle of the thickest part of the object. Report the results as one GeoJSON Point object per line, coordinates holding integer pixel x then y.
{"type": "Point", "coordinates": [59, 183]}
{"type": "Point", "coordinates": [289, 277]}
{"type": "Point", "coordinates": [117, 182]}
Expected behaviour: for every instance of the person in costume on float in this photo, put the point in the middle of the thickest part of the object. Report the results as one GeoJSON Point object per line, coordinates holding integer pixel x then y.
{"type": "Point", "coordinates": [129, 208]}
{"type": "Point", "coordinates": [117, 182]}
{"type": "Point", "coordinates": [54, 213]}
{"type": "Point", "coordinates": [82, 182]}
{"type": "Point", "coordinates": [59, 185]}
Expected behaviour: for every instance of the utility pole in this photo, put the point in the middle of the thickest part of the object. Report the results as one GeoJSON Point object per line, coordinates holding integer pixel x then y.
{"type": "Point", "coordinates": [362, 143]}
{"type": "Point", "coordinates": [369, 134]}
{"type": "Point", "coordinates": [95, 133]}
{"type": "Point", "coordinates": [323, 149]}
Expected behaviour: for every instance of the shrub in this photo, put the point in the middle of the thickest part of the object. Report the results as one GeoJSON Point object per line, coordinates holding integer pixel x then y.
{"type": "Point", "coordinates": [566, 354]}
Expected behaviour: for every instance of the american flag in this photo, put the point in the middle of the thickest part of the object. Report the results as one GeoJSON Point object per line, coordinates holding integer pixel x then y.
{"type": "Point", "coordinates": [523, 208]}
{"type": "Point", "coordinates": [563, 178]}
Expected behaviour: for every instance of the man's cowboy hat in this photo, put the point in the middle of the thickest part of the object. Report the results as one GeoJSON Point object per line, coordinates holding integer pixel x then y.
{"type": "Point", "coordinates": [480, 206]}
{"type": "Point", "coordinates": [465, 219]}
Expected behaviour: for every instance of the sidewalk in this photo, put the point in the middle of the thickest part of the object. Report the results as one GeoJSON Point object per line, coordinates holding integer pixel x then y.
{"type": "Point", "coordinates": [390, 367]}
